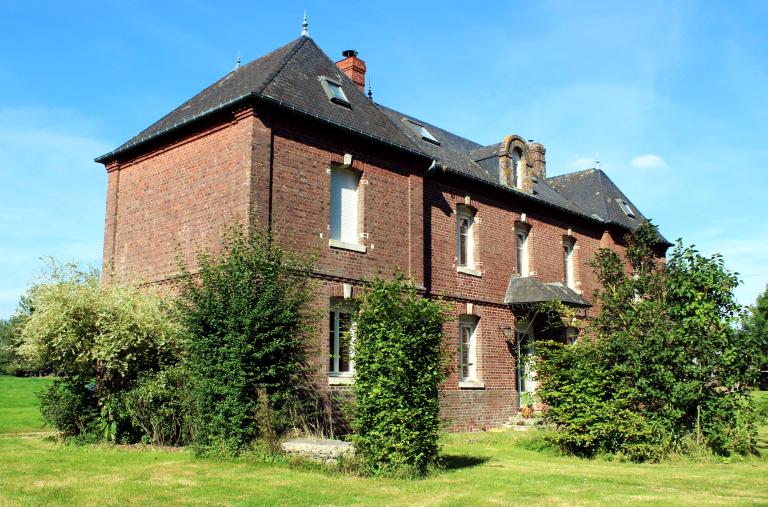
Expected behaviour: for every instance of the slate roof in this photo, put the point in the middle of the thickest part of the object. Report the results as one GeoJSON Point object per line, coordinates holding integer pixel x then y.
{"type": "Point", "coordinates": [593, 191]}
{"type": "Point", "coordinates": [527, 289]}
{"type": "Point", "coordinates": [288, 77]}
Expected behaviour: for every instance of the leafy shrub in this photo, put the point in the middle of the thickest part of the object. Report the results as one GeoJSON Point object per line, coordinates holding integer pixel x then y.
{"type": "Point", "coordinates": [161, 406]}
{"type": "Point", "coordinates": [247, 314]}
{"type": "Point", "coordinates": [665, 366]}
{"type": "Point", "coordinates": [399, 364]}
{"type": "Point", "coordinates": [83, 329]}
{"type": "Point", "coordinates": [69, 405]}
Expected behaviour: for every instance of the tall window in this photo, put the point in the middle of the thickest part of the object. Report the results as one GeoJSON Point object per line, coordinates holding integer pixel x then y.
{"type": "Point", "coordinates": [340, 338]}
{"type": "Point", "coordinates": [521, 235]}
{"type": "Point", "coordinates": [568, 263]}
{"type": "Point", "coordinates": [467, 348]}
{"type": "Point", "coordinates": [466, 240]}
{"type": "Point", "coordinates": [517, 169]}
{"type": "Point", "coordinates": [344, 205]}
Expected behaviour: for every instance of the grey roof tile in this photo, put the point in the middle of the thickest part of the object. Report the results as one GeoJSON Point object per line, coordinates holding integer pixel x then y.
{"type": "Point", "coordinates": [527, 289]}
{"type": "Point", "coordinates": [593, 191]}
{"type": "Point", "coordinates": [288, 77]}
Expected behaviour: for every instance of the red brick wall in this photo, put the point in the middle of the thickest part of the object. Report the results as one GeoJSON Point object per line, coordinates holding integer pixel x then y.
{"type": "Point", "coordinates": [179, 197]}
{"type": "Point", "coordinates": [175, 200]}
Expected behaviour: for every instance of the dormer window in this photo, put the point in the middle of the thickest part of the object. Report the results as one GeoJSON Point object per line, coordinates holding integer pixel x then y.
{"type": "Point", "coordinates": [626, 208]}
{"type": "Point", "coordinates": [334, 91]}
{"type": "Point", "coordinates": [517, 168]}
{"type": "Point", "coordinates": [422, 131]}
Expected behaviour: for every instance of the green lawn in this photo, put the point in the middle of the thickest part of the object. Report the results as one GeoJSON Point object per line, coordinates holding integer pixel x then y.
{"type": "Point", "coordinates": [487, 469]}
{"type": "Point", "coordinates": [18, 404]}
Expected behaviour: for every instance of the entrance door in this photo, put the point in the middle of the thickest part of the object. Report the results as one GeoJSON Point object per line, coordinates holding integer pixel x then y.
{"type": "Point", "coordinates": [526, 374]}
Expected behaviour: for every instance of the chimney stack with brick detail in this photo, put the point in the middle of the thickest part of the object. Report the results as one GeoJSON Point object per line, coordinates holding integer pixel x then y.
{"type": "Point", "coordinates": [353, 67]}
{"type": "Point", "coordinates": [536, 157]}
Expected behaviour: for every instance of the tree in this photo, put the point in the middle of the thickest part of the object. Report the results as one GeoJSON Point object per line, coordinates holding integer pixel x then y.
{"type": "Point", "coordinates": [99, 339]}
{"type": "Point", "coordinates": [247, 314]}
{"type": "Point", "coordinates": [755, 328]}
{"type": "Point", "coordinates": [666, 366]}
{"type": "Point", "coordinates": [399, 364]}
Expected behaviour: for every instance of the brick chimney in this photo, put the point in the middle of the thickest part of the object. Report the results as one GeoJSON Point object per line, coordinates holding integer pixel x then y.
{"type": "Point", "coordinates": [537, 159]}
{"type": "Point", "coordinates": [353, 67]}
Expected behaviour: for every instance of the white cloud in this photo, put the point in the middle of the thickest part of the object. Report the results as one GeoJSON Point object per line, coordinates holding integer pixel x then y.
{"type": "Point", "coordinates": [648, 161]}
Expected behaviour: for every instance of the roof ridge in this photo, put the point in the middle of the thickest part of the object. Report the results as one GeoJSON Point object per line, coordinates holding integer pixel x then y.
{"type": "Point", "coordinates": [287, 58]}
{"type": "Point", "coordinates": [573, 173]}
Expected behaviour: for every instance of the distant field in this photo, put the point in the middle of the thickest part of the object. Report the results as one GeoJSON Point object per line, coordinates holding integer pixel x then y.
{"type": "Point", "coordinates": [484, 469]}
{"type": "Point", "coordinates": [18, 404]}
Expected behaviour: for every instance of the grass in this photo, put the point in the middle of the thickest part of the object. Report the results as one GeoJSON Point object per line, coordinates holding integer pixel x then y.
{"type": "Point", "coordinates": [18, 404]}
{"type": "Point", "coordinates": [483, 469]}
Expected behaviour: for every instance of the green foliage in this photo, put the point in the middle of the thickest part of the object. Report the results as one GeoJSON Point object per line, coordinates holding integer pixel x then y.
{"type": "Point", "coordinates": [70, 406]}
{"type": "Point", "coordinates": [161, 406]}
{"type": "Point", "coordinates": [526, 400]}
{"type": "Point", "coordinates": [11, 360]}
{"type": "Point", "coordinates": [666, 363]}
{"type": "Point", "coordinates": [82, 328]}
{"type": "Point", "coordinates": [103, 336]}
{"type": "Point", "coordinates": [400, 361]}
{"type": "Point", "coordinates": [755, 326]}
{"type": "Point", "coordinates": [247, 315]}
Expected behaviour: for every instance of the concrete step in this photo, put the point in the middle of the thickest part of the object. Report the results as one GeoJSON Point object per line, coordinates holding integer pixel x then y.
{"type": "Point", "coordinates": [519, 423]}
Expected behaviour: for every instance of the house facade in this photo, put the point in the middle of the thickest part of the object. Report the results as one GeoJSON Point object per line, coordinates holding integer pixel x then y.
{"type": "Point", "coordinates": [291, 143]}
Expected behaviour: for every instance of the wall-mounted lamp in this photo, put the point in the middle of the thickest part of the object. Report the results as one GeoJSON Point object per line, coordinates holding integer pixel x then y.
{"type": "Point", "coordinates": [508, 334]}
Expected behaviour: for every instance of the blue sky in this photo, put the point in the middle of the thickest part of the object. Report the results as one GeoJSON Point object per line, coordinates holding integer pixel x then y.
{"type": "Point", "coordinates": [672, 95]}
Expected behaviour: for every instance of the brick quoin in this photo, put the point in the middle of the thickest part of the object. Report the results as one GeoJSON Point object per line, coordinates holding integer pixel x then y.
{"type": "Point", "coordinates": [266, 167]}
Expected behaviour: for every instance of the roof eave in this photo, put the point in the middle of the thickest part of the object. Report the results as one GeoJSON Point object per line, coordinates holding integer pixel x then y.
{"type": "Point", "coordinates": [528, 197]}
{"type": "Point", "coordinates": [103, 159]}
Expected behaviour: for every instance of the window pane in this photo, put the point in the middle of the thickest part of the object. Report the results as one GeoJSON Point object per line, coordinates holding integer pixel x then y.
{"type": "Point", "coordinates": [463, 236]}
{"type": "Point", "coordinates": [332, 342]}
{"type": "Point", "coordinates": [344, 203]}
{"type": "Point", "coordinates": [344, 338]}
{"type": "Point", "coordinates": [520, 245]}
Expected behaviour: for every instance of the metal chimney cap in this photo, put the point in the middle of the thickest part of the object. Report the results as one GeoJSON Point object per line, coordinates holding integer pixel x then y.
{"type": "Point", "coordinates": [349, 53]}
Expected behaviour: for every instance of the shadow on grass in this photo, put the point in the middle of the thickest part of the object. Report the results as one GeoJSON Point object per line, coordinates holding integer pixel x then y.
{"type": "Point", "coordinates": [457, 462]}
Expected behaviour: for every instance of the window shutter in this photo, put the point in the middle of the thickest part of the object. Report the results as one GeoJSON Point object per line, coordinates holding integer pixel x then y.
{"type": "Point", "coordinates": [344, 202]}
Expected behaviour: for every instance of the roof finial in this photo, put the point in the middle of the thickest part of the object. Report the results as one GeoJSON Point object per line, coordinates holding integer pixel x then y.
{"type": "Point", "coordinates": [597, 161]}
{"type": "Point", "coordinates": [370, 93]}
{"type": "Point", "coordinates": [237, 62]}
{"type": "Point", "coordinates": [305, 26]}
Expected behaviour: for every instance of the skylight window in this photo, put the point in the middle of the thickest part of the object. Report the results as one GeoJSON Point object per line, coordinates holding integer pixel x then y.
{"type": "Point", "coordinates": [626, 209]}
{"type": "Point", "coordinates": [334, 91]}
{"type": "Point", "coordinates": [422, 131]}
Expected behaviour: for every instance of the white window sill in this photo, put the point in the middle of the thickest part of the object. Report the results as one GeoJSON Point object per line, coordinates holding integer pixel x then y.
{"type": "Point", "coordinates": [471, 384]}
{"type": "Point", "coordinates": [340, 380]}
{"type": "Point", "coordinates": [468, 271]}
{"type": "Point", "coordinates": [335, 243]}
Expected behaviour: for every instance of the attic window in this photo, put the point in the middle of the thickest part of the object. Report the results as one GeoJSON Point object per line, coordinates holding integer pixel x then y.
{"type": "Point", "coordinates": [422, 131]}
{"type": "Point", "coordinates": [334, 91]}
{"type": "Point", "coordinates": [626, 209]}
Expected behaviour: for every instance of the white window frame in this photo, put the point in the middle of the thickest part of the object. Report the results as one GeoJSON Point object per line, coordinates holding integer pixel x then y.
{"type": "Point", "coordinates": [522, 251]}
{"type": "Point", "coordinates": [569, 275]}
{"type": "Point", "coordinates": [422, 131]}
{"type": "Point", "coordinates": [335, 336]}
{"type": "Point", "coordinates": [470, 324]}
{"type": "Point", "coordinates": [334, 91]}
{"type": "Point", "coordinates": [517, 169]}
{"type": "Point", "coordinates": [626, 208]}
{"type": "Point", "coordinates": [463, 213]}
{"type": "Point", "coordinates": [345, 222]}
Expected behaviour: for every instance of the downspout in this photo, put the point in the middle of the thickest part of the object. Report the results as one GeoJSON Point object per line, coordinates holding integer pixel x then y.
{"type": "Point", "coordinates": [271, 180]}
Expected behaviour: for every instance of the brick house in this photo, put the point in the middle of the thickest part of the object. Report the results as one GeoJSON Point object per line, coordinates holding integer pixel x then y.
{"type": "Point", "coordinates": [292, 143]}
